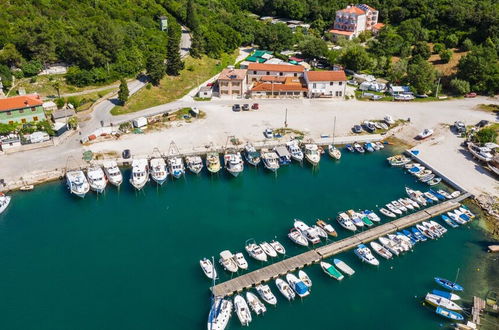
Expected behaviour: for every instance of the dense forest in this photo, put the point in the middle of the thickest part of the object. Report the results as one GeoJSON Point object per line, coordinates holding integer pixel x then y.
{"type": "Point", "coordinates": [106, 40]}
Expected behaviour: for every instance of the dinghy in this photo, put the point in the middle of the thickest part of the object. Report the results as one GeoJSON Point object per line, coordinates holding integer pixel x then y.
{"type": "Point", "coordinates": [349, 148]}
{"type": "Point", "coordinates": [418, 234]}
{"type": "Point", "coordinates": [449, 314]}
{"type": "Point", "coordinates": [466, 211]}
{"type": "Point", "coordinates": [444, 193]}
{"type": "Point", "coordinates": [430, 196]}
{"type": "Point", "coordinates": [449, 221]}
{"type": "Point", "coordinates": [425, 231]}
{"type": "Point", "coordinates": [255, 304]}
{"type": "Point", "coordinates": [358, 148]}
{"type": "Point", "coordinates": [387, 213]}
{"type": "Point", "coordinates": [343, 267]}
{"type": "Point", "coordinates": [439, 227]}
{"type": "Point", "coordinates": [434, 182]}
{"type": "Point", "coordinates": [438, 195]}
{"type": "Point", "coordinates": [448, 284]}
{"type": "Point", "coordinates": [331, 271]}
{"type": "Point", "coordinates": [380, 250]}
{"type": "Point", "coordinates": [399, 206]}
{"type": "Point", "coordinates": [365, 219]}
{"type": "Point", "coordinates": [447, 295]}
{"type": "Point", "coordinates": [404, 202]}
{"type": "Point", "coordinates": [393, 209]}
{"type": "Point", "coordinates": [266, 294]}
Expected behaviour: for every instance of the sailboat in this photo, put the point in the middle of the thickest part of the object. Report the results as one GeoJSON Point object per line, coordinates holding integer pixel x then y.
{"type": "Point", "coordinates": [334, 152]}
{"type": "Point", "coordinates": [220, 311]}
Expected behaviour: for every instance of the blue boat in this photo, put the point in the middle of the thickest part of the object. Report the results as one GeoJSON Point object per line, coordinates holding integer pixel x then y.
{"type": "Point", "coordinates": [369, 147]}
{"type": "Point", "coordinates": [413, 238]}
{"type": "Point", "coordinates": [438, 195]}
{"type": "Point", "coordinates": [349, 148]}
{"type": "Point", "coordinates": [446, 295]}
{"type": "Point", "coordinates": [403, 235]}
{"type": "Point", "coordinates": [418, 234]}
{"type": "Point", "coordinates": [449, 221]}
{"type": "Point", "coordinates": [414, 170]}
{"type": "Point", "coordinates": [449, 314]}
{"type": "Point", "coordinates": [448, 284]}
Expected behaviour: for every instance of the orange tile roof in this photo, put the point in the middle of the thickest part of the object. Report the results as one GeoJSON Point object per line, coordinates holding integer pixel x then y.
{"type": "Point", "coordinates": [352, 10]}
{"type": "Point", "coordinates": [326, 75]}
{"type": "Point", "coordinates": [273, 78]}
{"type": "Point", "coordinates": [266, 87]}
{"type": "Point", "coordinates": [378, 26]}
{"type": "Point", "coordinates": [275, 67]}
{"type": "Point", "coordinates": [341, 32]}
{"type": "Point", "coordinates": [232, 74]}
{"type": "Point", "coordinates": [20, 102]}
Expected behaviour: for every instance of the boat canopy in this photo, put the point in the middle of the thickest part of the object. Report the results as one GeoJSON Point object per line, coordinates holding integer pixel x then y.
{"type": "Point", "coordinates": [301, 287]}
{"type": "Point", "coordinates": [282, 151]}
{"type": "Point", "coordinates": [254, 154]}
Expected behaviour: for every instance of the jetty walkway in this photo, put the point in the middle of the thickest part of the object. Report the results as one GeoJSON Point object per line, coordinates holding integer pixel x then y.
{"type": "Point", "coordinates": [310, 257]}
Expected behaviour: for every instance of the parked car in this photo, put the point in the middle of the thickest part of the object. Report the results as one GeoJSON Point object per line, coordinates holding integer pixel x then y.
{"type": "Point", "coordinates": [470, 95]}
{"type": "Point", "coordinates": [460, 127]}
{"type": "Point", "coordinates": [357, 129]}
{"type": "Point", "coordinates": [246, 107]}
{"type": "Point", "coordinates": [376, 97]}
{"type": "Point", "coordinates": [421, 96]}
{"type": "Point", "coordinates": [268, 133]}
{"type": "Point", "coordinates": [236, 107]}
{"type": "Point", "coordinates": [482, 123]}
{"type": "Point", "coordinates": [255, 106]}
{"type": "Point", "coordinates": [126, 154]}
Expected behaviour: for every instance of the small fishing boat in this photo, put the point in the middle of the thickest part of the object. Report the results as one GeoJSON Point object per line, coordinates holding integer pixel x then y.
{"type": "Point", "coordinates": [349, 147]}
{"type": "Point", "coordinates": [398, 160]}
{"type": "Point", "coordinates": [255, 304]}
{"type": "Point", "coordinates": [425, 134]}
{"type": "Point", "coordinates": [4, 202]}
{"type": "Point", "coordinates": [414, 239]}
{"type": "Point", "coordinates": [407, 205]}
{"type": "Point", "coordinates": [461, 215]}
{"type": "Point", "coordinates": [268, 249]}
{"type": "Point", "coordinates": [327, 228]}
{"type": "Point", "coordinates": [448, 284]}
{"type": "Point", "coordinates": [483, 154]}
{"type": "Point", "coordinates": [176, 166]}
{"type": "Point", "coordinates": [159, 172]}
{"type": "Point", "coordinates": [358, 148]}
{"type": "Point", "coordinates": [270, 160]}
{"type": "Point", "coordinates": [255, 251]}
{"type": "Point", "coordinates": [423, 230]}
{"type": "Point", "coordinates": [312, 154]}
{"type": "Point", "coordinates": [439, 227]}
{"type": "Point", "coordinates": [418, 234]}
{"type": "Point", "coordinates": [399, 206]}
{"type": "Point", "coordinates": [378, 143]}
{"type": "Point", "coordinates": [354, 216]}
{"type": "Point", "coordinates": [447, 295]}
{"type": "Point", "coordinates": [296, 236]}
{"type": "Point", "coordinates": [334, 152]}
{"type": "Point", "coordinates": [295, 151]}
{"type": "Point", "coordinates": [240, 261]}
{"type": "Point", "coordinates": [113, 173]}
{"type": "Point", "coordinates": [283, 155]}
{"type": "Point", "coordinates": [213, 162]}
{"type": "Point", "coordinates": [444, 193]}
{"type": "Point", "coordinates": [405, 239]}
{"type": "Point", "coordinates": [304, 278]}
{"type": "Point", "coordinates": [430, 196]}
{"type": "Point", "coordinates": [301, 289]}
{"type": "Point", "coordinates": [389, 120]}
{"type": "Point", "coordinates": [422, 174]}
{"type": "Point", "coordinates": [375, 146]}
{"type": "Point", "coordinates": [345, 221]}
{"type": "Point", "coordinates": [390, 245]}
{"type": "Point", "coordinates": [396, 239]}
{"type": "Point", "coordinates": [331, 271]}
{"type": "Point", "coordinates": [436, 301]}
{"type": "Point", "coordinates": [455, 194]}
{"type": "Point", "coordinates": [416, 196]}
{"type": "Point", "coordinates": [242, 310]}
{"type": "Point", "coordinates": [466, 211]}
{"type": "Point", "coordinates": [438, 195]}
{"type": "Point", "coordinates": [320, 232]}
{"type": "Point", "coordinates": [266, 294]}
{"type": "Point", "coordinates": [27, 187]}
{"type": "Point", "coordinates": [343, 267]}
{"type": "Point", "coordinates": [432, 229]}
{"type": "Point", "coordinates": [393, 209]}
{"type": "Point", "coordinates": [434, 182]}
{"type": "Point", "coordinates": [380, 250]}
{"type": "Point", "coordinates": [227, 261]}
{"type": "Point", "coordinates": [449, 221]}
{"type": "Point", "coordinates": [251, 155]}
{"type": "Point", "coordinates": [412, 202]}
{"type": "Point", "coordinates": [369, 125]}
{"type": "Point", "coordinates": [278, 247]}
{"type": "Point", "coordinates": [387, 213]}
{"type": "Point", "coordinates": [96, 179]}
{"type": "Point", "coordinates": [368, 146]}
{"type": "Point", "coordinates": [77, 183]}
{"type": "Point", "coordinates": [372, 216]}
{"type": "Point", "coordinates": [233, 162]}
{"type": "Point", "coordinates": [140, 174]}
{"type": "Point", "coordinates": [365, 254]}
{"type": "Point", "coordinates": [208, 268]}
{"type": "Point", "coordinates": [426, 179]}
{"type": "Point", "coordinates": [285, 289]}
{"type": "Point", "coordinates": [456, 218]}
{"type": "Point", "coordinates": [449, 314]}
{"type": "Point", "coordinates": [220, 313]}
{"type": "Point", "coordinates": [194, 164]}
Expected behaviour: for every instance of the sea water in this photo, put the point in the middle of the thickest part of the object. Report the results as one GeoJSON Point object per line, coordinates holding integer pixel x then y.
{"type": "Point", "coordinates": [130, 260]}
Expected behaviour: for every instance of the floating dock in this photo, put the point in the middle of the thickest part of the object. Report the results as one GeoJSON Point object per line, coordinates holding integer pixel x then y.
{"type": "Point", "coordinates": [310, 257]}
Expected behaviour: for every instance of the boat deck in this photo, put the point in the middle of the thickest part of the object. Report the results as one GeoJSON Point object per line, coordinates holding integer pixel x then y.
{"type": "Point", "coordinates": [285, 266]}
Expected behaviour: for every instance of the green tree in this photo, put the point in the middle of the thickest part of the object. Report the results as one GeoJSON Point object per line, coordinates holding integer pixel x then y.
{"type": "Point", "coordinates": [479, 67]}
{"type": "Point", "coordinates": [275, 37]}
{"type": "Point", "coordinates": [388, 42]}
{"type": "Point", "coordinates": [31, 68]}
{"type": "Point", "coordinates": [421, 76]}
{"type": "Point", "coordinates": [57, 86]}
{"type": "Point", "coordinates": [445, 55]}
{"type": "Point", "coordinates": [60, 102]}
{"type": "Point", "coordinates": [422, 49]}
{"type": "Point", "coordinates": [451, 41]}
{"type": "Point", "coordinates": [397, 71]}
{"type": "Point", "coordinates": [467, 45]}
{"type": "Point", "coordinates": [196, 45]}
{"type": "Point", "coordinates": [487, 134]}
{"type": "Point", "coordinates": [9, 55]}
{"type": "Point", "coordinates": [312, 47]}
{"type": "Point", "coordinates": [411, 30]}
{"type": "Point", "coordinates": [123, 92]}
{"type": "Point", "coordinates": [192, 19]}
{"type": "Point", "coordinates": [6, 77]}
{"type": "Point", "coordinates": [173, 61]}
{"type": "Point", "coordinates": [438, 47]}
{"type": "Point", "coordinates": [459, 87]}
{"type": "Point", "coordinates": [74, 101]}
{"type": "Point", "coordinates": [356, 58]}
{"type": "Point", "coordinates": [155, 67]}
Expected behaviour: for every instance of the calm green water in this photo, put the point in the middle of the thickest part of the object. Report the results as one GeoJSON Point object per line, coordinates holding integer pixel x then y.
{"type": "Point", "coordinates": [128, 260]}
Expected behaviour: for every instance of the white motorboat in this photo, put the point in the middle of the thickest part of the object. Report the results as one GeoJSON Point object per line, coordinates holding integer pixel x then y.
{"type": "Point", "coordinates": [278, 247]}
{"type": "Point", "coordinates": [310, 233]}
{"type": "Point", "coordinates": [344, 220]}
{"type": "Point", "coordinates": [270, 160]}
{"type": "Point", "coordinates": [444, 193]}
{"type": "Point", "coordinates": [455, 194]}
{"type": "Point", "coordinates": [242, 310]}
{"type": "Point", "coordinates": [77, 183]}
{"type": "Point", "coordinates": [208, 268]}
{"type": "Point", "coordinates": [482, 153]}
{"type": "Point", "coordinates": [301, 289]}
{"type": "Point", "coordinates": [379, 144]}
{"type": "Point", "coordinates": [266, 294]}
{"type": "Point", "coordinates": [432, 228]}
{"type": "Point", "coordinates": [407, 205]}
{"type": "Point", "coordinates": [356, 219]}
{"type": "Point", "coordinates": [255, 251]}
{"type": "Point", "coordinates": [220, 313]}
{"type": "Point", "coordinates": [4, 202]}
{"type": "Point", "coordinates": [414, 204]}
{"type": "Point", "coordinates": [255, 304]}
{"type": "Point", "coordinates": [466, 211]}
{"type": "Point", "coordinates": [387, 213]}
{"type": "Point", "coordinates": [390, 245]}
{"type": "Point", "coordinates": [140, 175]}
{"type": "Point", "coordinates": [113, 173]}
{"type": "Point", "coordinates": [438, 226]}
{"type": "Point", "coordinates": [176, 166]}
{"type": "Point", "coordinates": [365, 254]}
{"type": "Point", "coordinates": [437, 301]}
{"type": "Point", "coordinates": [252, 156]}
{"type": "Point", "coordinates": [393, 209]}
{"type": "Point", "coordinates": [240, 261]}
{"type": "Point", "coordinates": [456, 218]}
{"type": "Point", "coordinates": [233, 162]}
{"type": "Point", "coordinates": [379, 249]}
{"type": "Point", "coordinates": [416, 196]}
{"type": "Point", "coordinates": [285, 289]}
{"type": "Point", "coordinates": [283, 155]}
{"type": "Point", "coordinates": [398, 160]}
{"type": "Point", "coordinates": [296, 236]}
{"type": "Point", "coordinates": [425, 133]}
{"type": "Point", "coordinates": [295, 151]}
{"type": "Point", "coordinates": [343, 267]}
{"type": "Point", "coordinates": [321, 232]}
{"type": "Point", "coordinates": [328, 228]}
{"type": "Point", "coordinates": [334, 152]}
{"type": "Point", "coordinates": [268, 249]}
{"type": "Point", "coordinates": [425, 231]}
{"type": "Point", "coordinates": [304, 278]}
{"type": "Point", "coordinates": [227, 261]}
{"type": "Point", "coordinates": [213, 162]}
{"type": "Point", "coordinates": [406, 246]}
{"type": "Point", "coordinates": [312, 154]}
{"type": "Point", "coordinates": [96, 179]}
{"type": "Point", "coordinates": [194, 164]}
{"type": "Point", "coordinates": [389, 120]}
{"type": "Point", "coordinates": [399, 206]}
{"type": "Point", "coordinates": [372, 216]}
{"type": "Point", "coordinates": [159, 172]}
{"type": "Point", "coordinates": [429, 195]}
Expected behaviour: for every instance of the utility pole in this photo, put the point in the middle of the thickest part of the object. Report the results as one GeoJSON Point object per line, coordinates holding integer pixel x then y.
{"type": "Point", "coordinates": [438, 85]}
{"type": "Point", "coordinates": [286, 118]}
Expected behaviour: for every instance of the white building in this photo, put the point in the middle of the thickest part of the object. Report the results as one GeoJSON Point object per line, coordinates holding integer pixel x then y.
{"type": "Point", "coordinates": [326, 83]}
{"type": "Point", "coordinates": [258, 70]}
{"type": "Point", "coordinates": [353, 20]}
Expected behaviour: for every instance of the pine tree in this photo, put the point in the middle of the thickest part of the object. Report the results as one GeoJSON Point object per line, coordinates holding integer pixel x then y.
{"type": "Point", "coordinates": [155, 68]}
{"type": "Point", "coordinates": [192, 19]}
{"type": "Point", "coordinates": [174, 63]}
{"type": "Point", "coordinates": [123, 92]}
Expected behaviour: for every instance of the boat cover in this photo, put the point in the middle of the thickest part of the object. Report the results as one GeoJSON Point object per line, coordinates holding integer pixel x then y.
{"type": "Point", "coordinates": [301, 287]}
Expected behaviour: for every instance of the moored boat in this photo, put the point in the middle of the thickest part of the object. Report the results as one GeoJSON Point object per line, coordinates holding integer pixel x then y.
{"type": "Point", "coordinates": [140, 174]}
{"type": "Point", "coordinates": [444, 193]}
{"type": "Point", "coordinates": [354, 216]}
{"type": "Point", "coordinates": [390, 245]}
{"type": "Point", "coordinates": [285, 289]}
{"type": "Point", "coordinates": [372, 216]}
{"type": "Point", "coordinates": [436, 301]}
{"type": "Point", "coordinates": [255, 304]}
{"type": "Point", "coordinates": [240, 261]}
{"type": "Point", "coordinates": [334, 152]}
{"type": "Point", "coordinates": [96, 179]}
{"type": "Point", "coordinates": [208, 268]}
{"type": "Point", "coordinates": [268, 249]}
{"type": "Point", "coordinates": [213, 162]}
{"type": "Point", "coordinates": [398, 160]}
{"type": "Point", "coordinates": [296, 236]}
{"type": "Point", "coordinates": [365, 254]}
{"type": "Point", "coordinates": [255, 251]}
{"type": "Point", "coordinates": [449, 314]}
{"type": "Point", "coordinates": [194, 164]}
{"type": "Point", "coordinates": [77, 183]}
{"type": "Point", "coordinates": [220, 313]}
{"type": "Point", "coordinates": [266, 294]}
{"type": "Point", "coordinates": [251, 155]}
{"type": "Point", "coordinates": [449, 285]}
{"type": "Point", "coordinates": [345, 221]}
{"type": "Point", "coordinates": [278, 247]}
{"type": "Point", "coordinates": [349, 147]}
{"type": "Point", "coordinates": [295, 151]}
{"type": "Point", "coordinates": [233, 162]}
{"type": "Point", "coordinates": [242, 310]}
{"type": "Point", "coordinates": [418, 234]}
{"type": "Point", "coordinates": [447, 295]}
{"type": "Point", "coordinates": [358, 148]}
{"type": "Point", "coordinates": [423, 230]}
{"type": "Point", "coordinates": [393, 209]}
{"type": "Point", "coordinates": [4, 202]}
{"type": "Point", "coordinates": [380, 250]}
{"type": "Point", "coordinates": [283, 155]}
{"type": "Point", "coordinates": [176, 166]}
{"type": "Point", "coordinates": [331, 271]}
{"type": "Point", "coordinates": [327, 228]}
{"type": "Point", "coordinates": [113, 172]}
{"type": "Point", "coordinates": [301, 289]}
{"type": "Point", "coordinates": [304, 278]}
{"type": "Point", "coordinates": [227, 261]}
{"type": "Point", "coordinates": [343, 267]}
{"type": "Point", "coordinates": [270, 160]}
{"type": "Point", "coordinates": [159, 172]}
{"type": "Point", "coordinates": [312, 154]}
{"type": "Point", "coordinates": [387, 213]}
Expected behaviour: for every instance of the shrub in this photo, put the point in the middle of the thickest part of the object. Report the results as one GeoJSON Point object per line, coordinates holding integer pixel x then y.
{"type": "Point", "coordinates": [60, 102]}
{"type": "Point", "coordinates": [487, 134]}
{"type": "Point", "coordinates": [437, 48]}
{"type": "Point", "coordinates": [451, 40]}
{"type": "Point", "coordinates": [459, 86]}
{"type": "Point", "coordinates": [467, 45]}
{"type": "Point", "coordinates": [446, 55]}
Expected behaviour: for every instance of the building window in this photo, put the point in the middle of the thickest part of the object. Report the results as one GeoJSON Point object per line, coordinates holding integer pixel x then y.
{"type": "Point", "coordinates": [35, 118]}
{"type": "Point", "coordinates": [281, 73]}
{"type": "Point", "coordinates": [254, 72]}
{"type": "Point", "coordinates": [33, 109]}
{"type": "Point", "coordinates": [314, 85]}
{"type": "Point", "coordinates": [341, 83]}
{"type": "Point", "coordinates": [9, 113]}
{"type": "Point", "coordinates": [331, 83]}
{"type": "Point", "coordinates": [21, 111]}
{"type": "Point", "coordinates": [23, 121]}
{"type": "Point", "coordinates": [295, 74]}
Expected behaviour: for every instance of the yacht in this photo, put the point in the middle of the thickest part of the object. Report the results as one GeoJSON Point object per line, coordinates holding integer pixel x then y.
{"type": "Point", "coordinates": [283, 155]}
{"type": "Point", "coordinates": [194, 164]}
{"type": "Point", "coordinates": [176, 166]}
{"type": "Point", "coordinates": [310, 234]}
{"type": "Point", "coordinates": [208, 268]}
{"type": "Point", "coordinates": [139, 175]}
{"type": "Point", "coordinates": [365, 254]}
{"type": "Point", "coordinates": [266, 294]}
{"type": "Point", "coordinates": [295, 151]}
{"type": "Point", "coordinates": [255, 304]}
{"type": "Point", "coordinates": [96, 179]}
{"type": "Point", "coordinates": [372, 216]}
{"type": "Point", "coordinates": [304, 278]}
{"type": "Point", "coordinates": [227, 261]}
{"type": "Point", "coordinates": [334, 152]}
{"type": "Point", "coordinates": [233, 162]}
{"type": "Point", "coordinates": [220, 313]}
{"type": "Point", "coordinates": [312, 154]}
{"type": "Point", "coordinates": [242, 310]}
{"type": "Point", "coordinates": [390, 245]}
{"type": "Point", "coordinates": [251, 155]}
{"type": "Point", "coordinates": [270, 160]}
{"type": "Point", "coordinates": [285, 289]}
{"type": "Point", "coordinates": [344, 220]}
{"type": "Point", "coordinates": [301, 289]}
{"type": "Point", "coordinates": [4, 202]}
{"type": "Point", "coordinates": [255, 251]}
{"type": "Point", "coordinates": [213, 162]}
{"type": "Point", "coordinates": [113, 173]}
{"type": "Point", "coordinates": [159, 172]}
{"type": "Point", "coordinates": [77, 183]}
{"type": "Point", "coordinates": [240, 261]}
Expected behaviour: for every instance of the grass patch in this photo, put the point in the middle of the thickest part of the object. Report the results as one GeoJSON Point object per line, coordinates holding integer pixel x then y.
{"type": "Point", "coordinates": [358, 96]}
{"type": "Point", "coordinates": [285, 131]}
{"type": "Point", "coordinates": [488, 107]}
{"type": "Point", "coordinates": [196, 71]}
{"type": "Point", "coordinates": [202, 98]}
{"type": "Point", "coordinates": [87, 100]}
